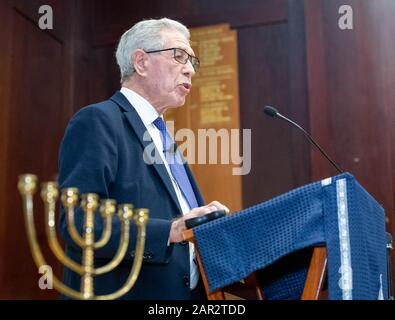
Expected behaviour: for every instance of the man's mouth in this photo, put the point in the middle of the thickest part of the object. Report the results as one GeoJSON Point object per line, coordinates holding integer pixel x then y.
{"type": "Point", "coordinates": [187, 86]}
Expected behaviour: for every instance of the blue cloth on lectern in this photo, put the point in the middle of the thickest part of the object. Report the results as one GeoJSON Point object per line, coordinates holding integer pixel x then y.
{"type": "Point", "coordinates": [335, 212]}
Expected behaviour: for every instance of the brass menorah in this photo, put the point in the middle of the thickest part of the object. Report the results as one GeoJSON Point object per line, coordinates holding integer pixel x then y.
{"type": "Point", "coordinates": [27, 186]}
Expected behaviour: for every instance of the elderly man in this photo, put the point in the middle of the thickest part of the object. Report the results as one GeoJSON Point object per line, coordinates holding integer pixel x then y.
{"type": "Point", "coordinates": [102, 152]}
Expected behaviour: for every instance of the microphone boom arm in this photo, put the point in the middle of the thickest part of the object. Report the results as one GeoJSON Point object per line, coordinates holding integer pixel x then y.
{"type": "Point", "coordinates": [279, 115]}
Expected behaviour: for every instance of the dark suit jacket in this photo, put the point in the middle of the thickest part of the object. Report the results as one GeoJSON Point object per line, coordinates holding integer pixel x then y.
{"type": "Point", "coordinates": [102, 152]}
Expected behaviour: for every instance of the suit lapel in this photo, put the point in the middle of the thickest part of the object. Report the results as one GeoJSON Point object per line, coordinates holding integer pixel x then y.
{"type": "Point", "coordinates": [139, 128]}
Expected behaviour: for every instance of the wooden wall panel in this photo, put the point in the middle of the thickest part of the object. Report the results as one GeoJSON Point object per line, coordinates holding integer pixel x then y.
{"type": "Point", "coordinates": [280, 159]}
{"type": "Point", "coordinates": [5, 72]}
{"type": "Point", "coordinates": [387, 73]}
{"type": "Point", "coordinates": [111, 21]}
{"type": "Point", "coordinates": [38, 92]}
{"type": "Point", "coordinates": [381, 20]}
{"type": "Point", "coordinates": [267, 69]}
{"type": "Point", "coordinates": [337, 84]}
{"type": "Point", "coordinates": [353, 119]}
{"type": "Point", "coordinates": [298, 100]}
{"type": "Point", "coordinates": [34, 136]}
{"type": "Point", "coordinates": [351, 91]}
{"type": "Point", "coordinates": [104, 73]}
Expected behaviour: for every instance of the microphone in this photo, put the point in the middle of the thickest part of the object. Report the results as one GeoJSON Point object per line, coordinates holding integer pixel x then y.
{"type": "Point", "coordinates": [273, 112]}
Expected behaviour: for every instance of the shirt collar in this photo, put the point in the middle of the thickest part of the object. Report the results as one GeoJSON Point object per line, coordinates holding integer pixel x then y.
{"type": "Point", "coordinates": [144, 109]}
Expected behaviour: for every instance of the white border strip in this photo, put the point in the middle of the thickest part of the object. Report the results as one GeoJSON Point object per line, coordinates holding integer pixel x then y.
{"type": "Point", "coordinates": [345, 281]}
{"type": "Point", "coordinates": [326, 182]}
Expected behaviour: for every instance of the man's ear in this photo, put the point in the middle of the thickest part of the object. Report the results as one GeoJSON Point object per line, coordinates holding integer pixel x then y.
{"type": "Point", "coordinates": [139, 61]}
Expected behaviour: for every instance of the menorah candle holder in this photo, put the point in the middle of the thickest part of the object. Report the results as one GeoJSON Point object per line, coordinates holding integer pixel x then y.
{"type": "Point", "coordinates": [27, 186]}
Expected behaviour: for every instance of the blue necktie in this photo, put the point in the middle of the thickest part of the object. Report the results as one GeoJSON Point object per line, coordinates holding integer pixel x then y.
{"type": "Point", "coordinates": [177, 169]}
{"type": "Point", "coordinates": [176, 165]}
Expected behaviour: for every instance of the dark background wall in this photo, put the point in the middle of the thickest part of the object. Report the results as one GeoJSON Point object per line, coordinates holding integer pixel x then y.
{"type": "Point", "coordinates": [337, 84]}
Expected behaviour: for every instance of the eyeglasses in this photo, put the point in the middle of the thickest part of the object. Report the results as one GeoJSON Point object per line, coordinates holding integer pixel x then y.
{"type": "Point", "coordinates": [181, 56]}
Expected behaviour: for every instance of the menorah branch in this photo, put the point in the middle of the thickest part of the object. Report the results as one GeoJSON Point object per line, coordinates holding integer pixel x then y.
{"type": "Point", "coordinates": [89, 203]}
{"type": "Point", "coordinates": [141, 221]}
{"type": "Point", "coordinates": [122, 248]}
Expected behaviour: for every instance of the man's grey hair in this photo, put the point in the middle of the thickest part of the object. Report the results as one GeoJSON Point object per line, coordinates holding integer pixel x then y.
{"type": "Point", "coordinates": [145, 35]}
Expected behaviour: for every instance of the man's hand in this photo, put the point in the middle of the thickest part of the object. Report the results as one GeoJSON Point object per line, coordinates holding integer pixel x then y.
{"type": "Point", "coordinates": [178, 226]}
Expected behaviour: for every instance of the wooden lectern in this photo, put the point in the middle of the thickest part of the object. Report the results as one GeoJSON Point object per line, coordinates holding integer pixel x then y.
{"type": "Point", "coordinates": [341, 226]}
{"type": "Point", "coordinates": [249, 287]}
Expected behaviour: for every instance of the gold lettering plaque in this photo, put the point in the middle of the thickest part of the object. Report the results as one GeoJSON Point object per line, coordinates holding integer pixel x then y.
{"type": "Point", "coordinates": [216, 84]}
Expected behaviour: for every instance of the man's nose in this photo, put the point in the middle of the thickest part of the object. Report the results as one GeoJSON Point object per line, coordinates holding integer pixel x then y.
{"type": "Point", "coordinates": [188, 69]}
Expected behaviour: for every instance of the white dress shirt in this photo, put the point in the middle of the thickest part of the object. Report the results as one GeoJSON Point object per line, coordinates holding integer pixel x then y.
{"type": "Point", "coordinates": [148, 114]}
